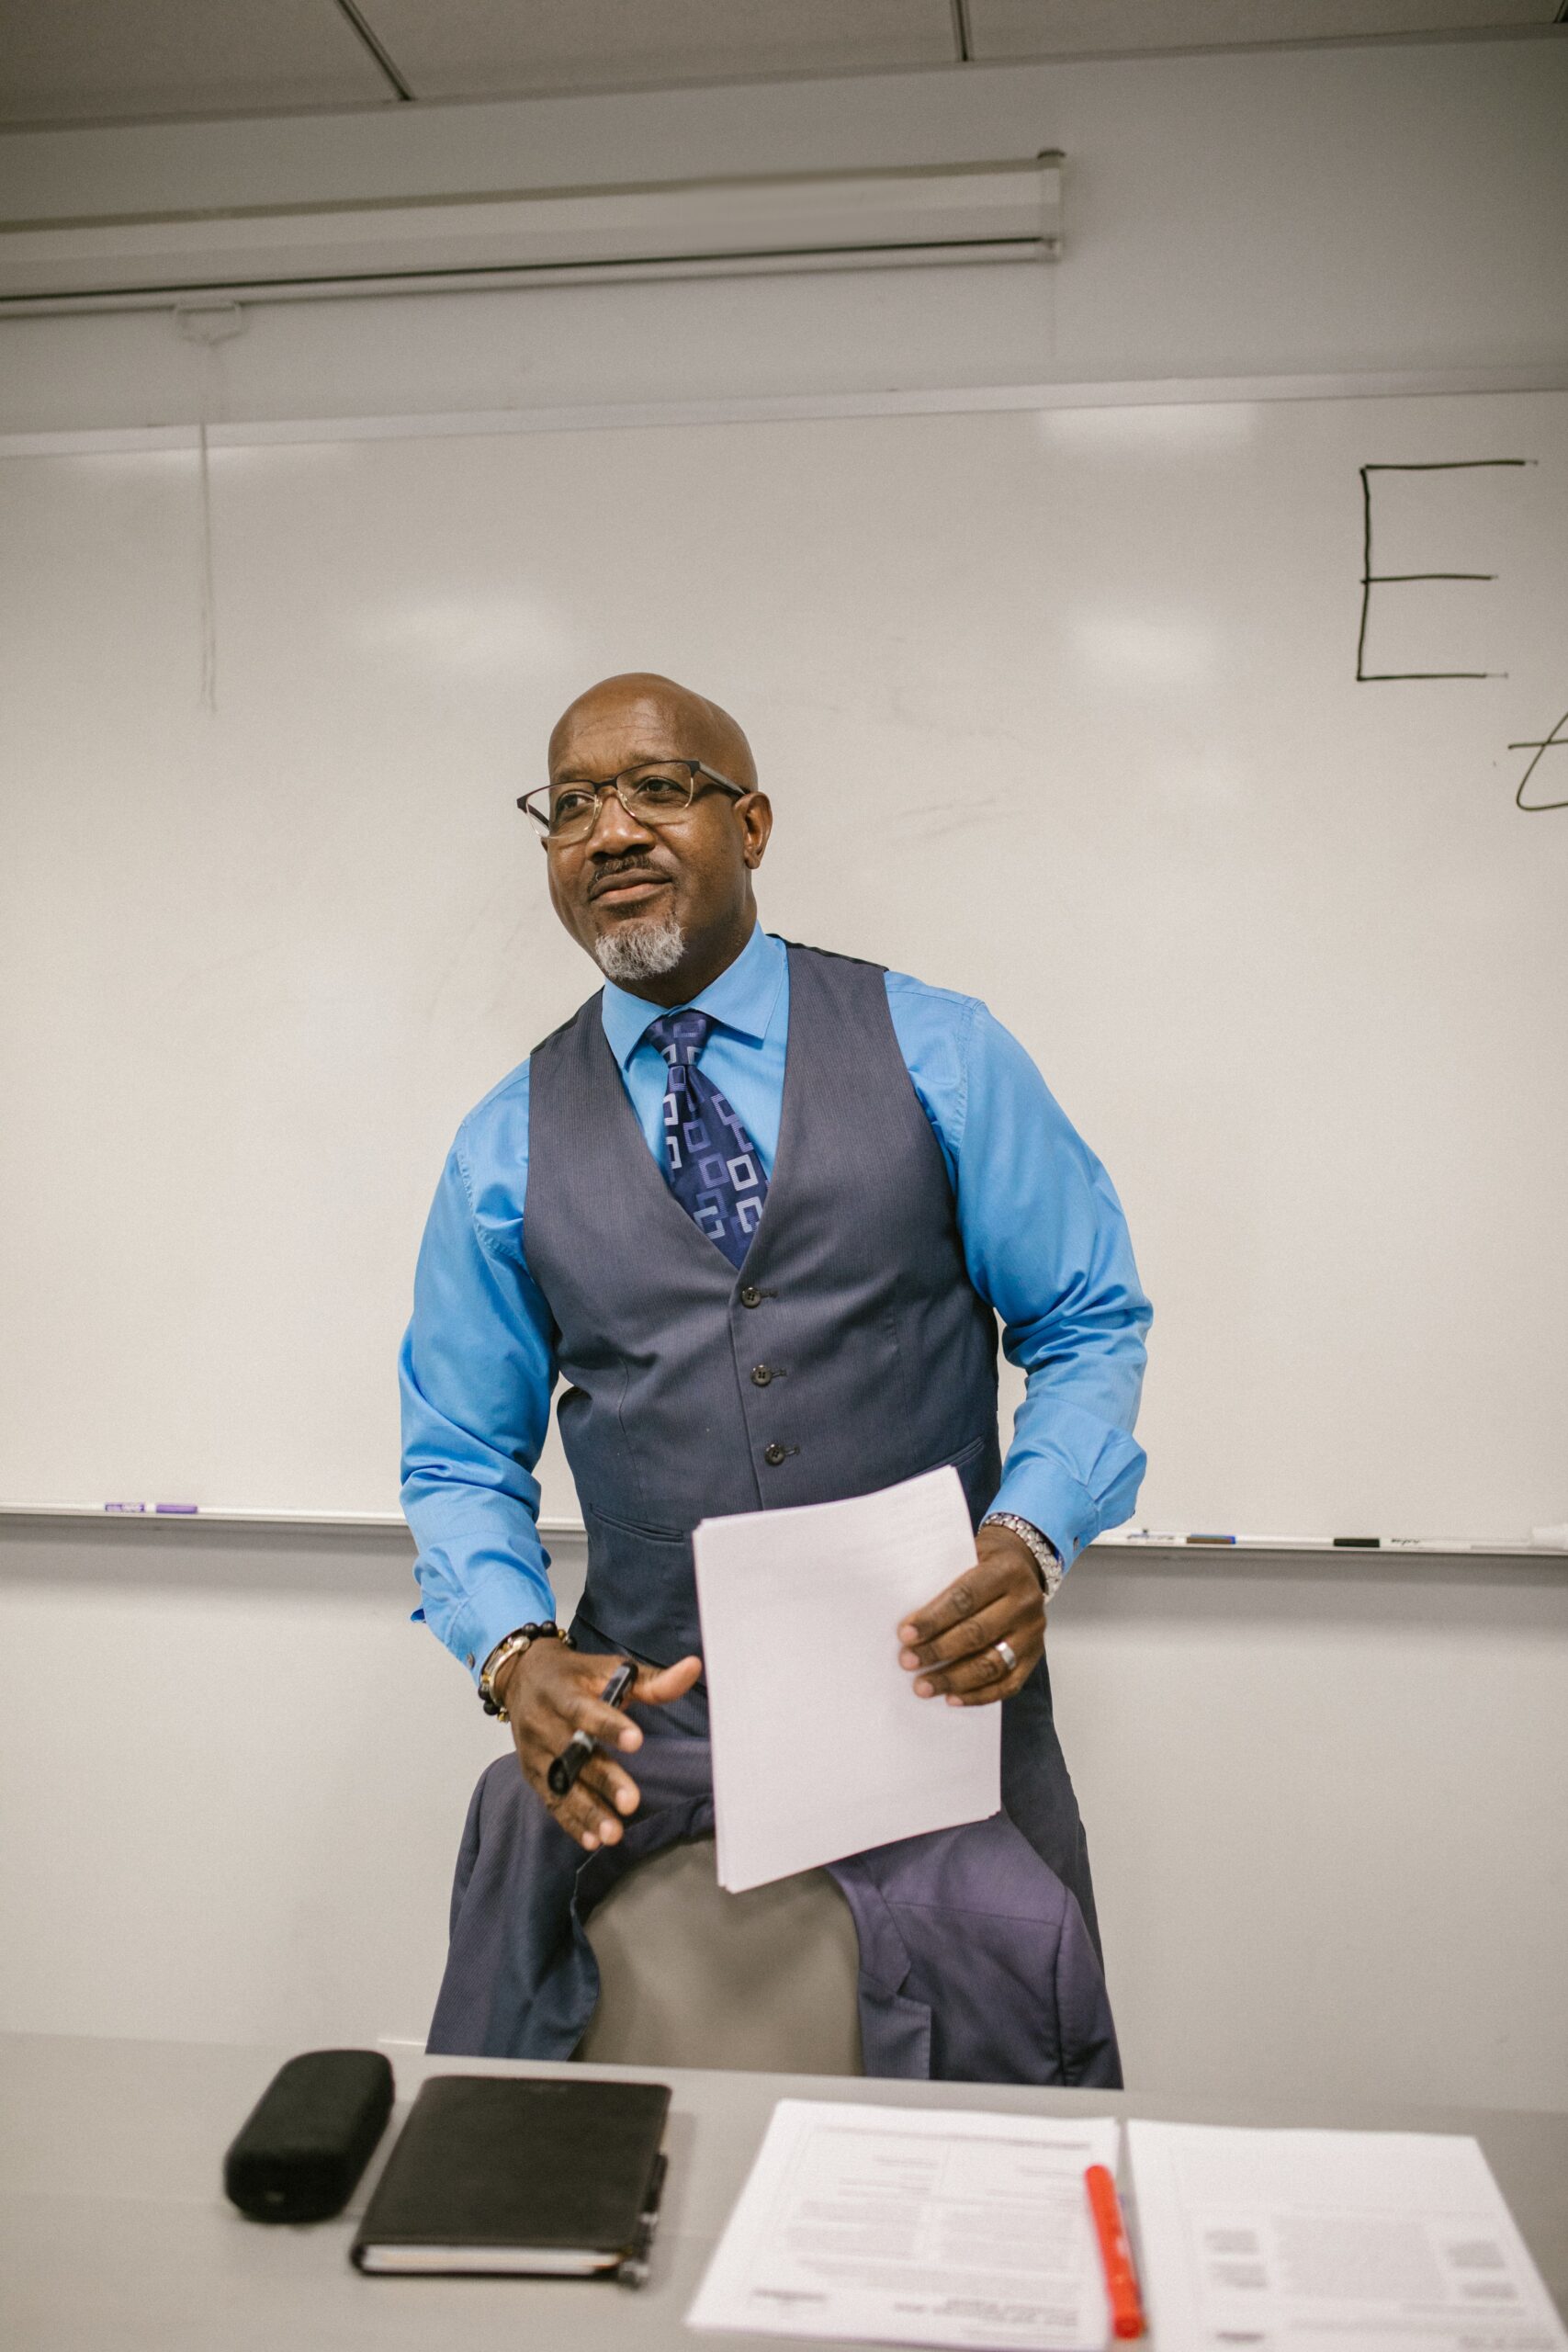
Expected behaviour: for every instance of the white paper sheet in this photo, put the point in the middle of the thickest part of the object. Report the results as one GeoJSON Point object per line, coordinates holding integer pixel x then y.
{"type": "Point", "coordinates": [1367, 2241]}
{"type": "Point", "coordinates": [915, 2225]}
{"type": "Point", "coordinates": [820, 1748]}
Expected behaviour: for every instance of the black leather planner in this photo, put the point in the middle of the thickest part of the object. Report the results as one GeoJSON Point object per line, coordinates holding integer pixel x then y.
{"type": "Point", "coordinates": [494, 2175]}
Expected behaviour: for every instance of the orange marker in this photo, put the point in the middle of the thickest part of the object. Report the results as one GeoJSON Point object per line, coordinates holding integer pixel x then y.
{"type": "Point", "coordinates": [1121, 2279]}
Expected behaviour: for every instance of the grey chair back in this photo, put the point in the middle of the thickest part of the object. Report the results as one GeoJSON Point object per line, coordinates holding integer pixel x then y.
{"type": "Point", "coordinates": [692, 1976]}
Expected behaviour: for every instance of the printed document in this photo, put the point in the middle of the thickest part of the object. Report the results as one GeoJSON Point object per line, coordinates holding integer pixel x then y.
{"type": "Point", "coordinates": [1360, 2240]}
{"type": "Point", "coordinates": [820, 1748]}
{"type": "Point", "coordinates": [915, 2225]}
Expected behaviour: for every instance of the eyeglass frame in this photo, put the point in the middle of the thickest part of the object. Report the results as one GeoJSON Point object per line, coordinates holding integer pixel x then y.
{"type": "Point", "coordinates": [694, 768]}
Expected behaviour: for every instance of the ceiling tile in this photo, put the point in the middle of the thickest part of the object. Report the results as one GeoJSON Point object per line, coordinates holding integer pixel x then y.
{"type": "Point", "coordinates": [472, 48]}
{"type": "Point", "coordinates": [73, 60]}
{"type": "Point", "coordinates": [1017, 28]}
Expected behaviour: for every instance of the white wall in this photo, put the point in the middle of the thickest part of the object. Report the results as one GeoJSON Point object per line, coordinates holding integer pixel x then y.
{"type": "Point", "coordinates": [1324, 1805]}
{"type": "Point", "coordinates": [1321, 1801]}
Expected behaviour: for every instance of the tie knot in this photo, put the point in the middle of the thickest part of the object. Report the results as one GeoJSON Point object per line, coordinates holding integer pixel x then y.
{"type": "Point", "coordinates": [680, 1036]}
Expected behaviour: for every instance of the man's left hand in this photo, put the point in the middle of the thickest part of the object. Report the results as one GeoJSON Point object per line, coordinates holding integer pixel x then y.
{"type": "Point", "coordinates": [948, 1645]}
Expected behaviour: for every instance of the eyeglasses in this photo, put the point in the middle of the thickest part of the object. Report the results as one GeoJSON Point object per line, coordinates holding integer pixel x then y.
{"type": "Point", "coordinates": [656, 791]}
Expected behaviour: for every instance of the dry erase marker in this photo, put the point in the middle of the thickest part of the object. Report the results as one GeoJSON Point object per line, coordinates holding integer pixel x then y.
{"type": "Point", "coordinates": [1149, 1536]}
{"type": "Point", "coordinates": [177, 1510]}
{"type": "Point", "coordinates": [1210, 1539]}
{"type": "Point", "coordinates": [565, 1767]}
{"type": "Point", "coordinates": [125, 1506]}
{"type": "Point", "coordinates": [1401, 1544]}
{"type": "Point", "coordinates": [1115, 2254]}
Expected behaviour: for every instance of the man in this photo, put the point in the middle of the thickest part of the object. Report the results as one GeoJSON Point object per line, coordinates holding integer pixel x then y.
{"type": "Point", "coordinates": [760, 1207]}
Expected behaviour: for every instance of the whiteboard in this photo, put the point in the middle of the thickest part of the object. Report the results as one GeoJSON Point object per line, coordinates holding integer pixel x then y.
{"type": "Point", "coordinates": [1059, 708]}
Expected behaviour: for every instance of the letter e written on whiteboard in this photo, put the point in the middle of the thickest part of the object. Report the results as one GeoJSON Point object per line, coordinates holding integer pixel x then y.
{"type": "Point", "coordinates": [1434, 624]}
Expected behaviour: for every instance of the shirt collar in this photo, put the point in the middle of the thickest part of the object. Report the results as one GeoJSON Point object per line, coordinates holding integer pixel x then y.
{"type": "Point", "coordinates": [741, 998]}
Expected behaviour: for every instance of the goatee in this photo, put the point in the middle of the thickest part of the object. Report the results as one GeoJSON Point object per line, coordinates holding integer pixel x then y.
{"type": "Point", "coordinates": [641, 951]}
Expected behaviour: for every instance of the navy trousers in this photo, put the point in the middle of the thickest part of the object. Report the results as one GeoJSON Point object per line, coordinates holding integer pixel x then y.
{"type": "Point", "coordinates": [979, 1956]}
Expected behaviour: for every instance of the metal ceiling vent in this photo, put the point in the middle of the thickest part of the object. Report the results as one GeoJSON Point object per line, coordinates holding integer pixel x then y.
{"type": "Point", "coordinates": [874, 220]}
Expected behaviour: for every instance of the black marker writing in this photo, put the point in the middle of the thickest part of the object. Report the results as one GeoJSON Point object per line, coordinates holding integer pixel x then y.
{"type": "Point", "coordinates": [1371, 579]}
{"type": "Point", "coordinates": [1555, 742]}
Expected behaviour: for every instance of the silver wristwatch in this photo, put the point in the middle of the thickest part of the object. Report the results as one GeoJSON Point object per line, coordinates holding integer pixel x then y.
{"type": "Point", "coordinates": [1046, 1558]}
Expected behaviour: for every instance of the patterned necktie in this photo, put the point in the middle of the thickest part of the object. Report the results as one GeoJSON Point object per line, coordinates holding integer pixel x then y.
{"type": "Point", "coordinates": [714, 1168]}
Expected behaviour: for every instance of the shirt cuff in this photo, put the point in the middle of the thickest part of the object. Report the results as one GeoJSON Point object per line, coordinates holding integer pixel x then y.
{"type": "Point", "coordinates": [505, 1599]}
{"type": "Point", "coordinates": [1065, 1512]}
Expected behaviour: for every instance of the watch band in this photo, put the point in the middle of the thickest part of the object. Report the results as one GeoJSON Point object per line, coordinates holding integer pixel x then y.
{"type": "Point", "coordinates": [512, 1645]}
{"type": "Point", "coordinates": [1047, 1560]}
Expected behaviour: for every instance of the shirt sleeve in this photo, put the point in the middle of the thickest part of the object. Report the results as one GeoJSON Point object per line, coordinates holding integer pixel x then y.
{"type": "Point", "coordinates": [1046, 1244]}
{"type": "Point", "coordinates": [476, 1370]}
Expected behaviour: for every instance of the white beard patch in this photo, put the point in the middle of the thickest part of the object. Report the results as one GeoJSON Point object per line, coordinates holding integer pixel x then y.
{"type": "Point", "coordinates": [641, 951]}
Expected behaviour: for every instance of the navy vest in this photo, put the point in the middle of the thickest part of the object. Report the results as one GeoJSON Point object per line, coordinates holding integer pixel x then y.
{"type": "Point", "coordinates": [850, 1350]}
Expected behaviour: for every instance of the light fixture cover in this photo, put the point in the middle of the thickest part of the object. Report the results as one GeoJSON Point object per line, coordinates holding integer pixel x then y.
{"type": "Point", "coordinates": [1004, 211]}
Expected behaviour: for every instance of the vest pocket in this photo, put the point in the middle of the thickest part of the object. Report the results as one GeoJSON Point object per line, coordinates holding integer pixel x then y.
{"type": "Point", "coordinates": [965, 1453]}
{"type": "Point", "coordinates": [635, 1527]}
{"type": "Point", "coordinates": [980, 1468]}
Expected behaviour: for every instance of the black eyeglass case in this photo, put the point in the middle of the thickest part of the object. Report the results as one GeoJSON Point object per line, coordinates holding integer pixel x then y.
{"type": "Point", "coordinates": [301, 2149]}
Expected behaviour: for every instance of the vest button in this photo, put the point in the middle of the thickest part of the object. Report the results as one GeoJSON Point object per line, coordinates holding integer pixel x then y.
{"type": "Point", "coordinates": [750, 1295]}
{"type": "Point", "coordinates": [761, 1375]}
{"type": "Point", "coordinates": [774, 1453]}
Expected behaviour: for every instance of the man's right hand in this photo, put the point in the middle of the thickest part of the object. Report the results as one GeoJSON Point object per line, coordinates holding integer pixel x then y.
{"type": "Point", "coordinates": [549, 1692]}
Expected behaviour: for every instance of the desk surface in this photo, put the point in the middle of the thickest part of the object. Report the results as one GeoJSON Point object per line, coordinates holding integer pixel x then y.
{"type": "Point", "coordinates": [115, 2233]}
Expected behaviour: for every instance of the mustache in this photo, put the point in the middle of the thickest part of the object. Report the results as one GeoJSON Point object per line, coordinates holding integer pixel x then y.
{"type": "Point", "coordinates": [625, 870]}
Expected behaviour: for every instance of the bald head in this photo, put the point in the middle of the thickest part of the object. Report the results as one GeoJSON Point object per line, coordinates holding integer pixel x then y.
{"type": "Point", "coordinates": [640, 715]}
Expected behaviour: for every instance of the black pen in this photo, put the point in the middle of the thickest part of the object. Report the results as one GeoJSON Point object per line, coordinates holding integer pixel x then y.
{"type": "Point", "coordinates": [565, 1767]}
{"type": "Point", "coordinates": [633, 2271]}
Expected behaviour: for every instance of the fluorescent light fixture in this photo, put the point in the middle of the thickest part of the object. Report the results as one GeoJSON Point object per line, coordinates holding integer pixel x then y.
{"type": "Point", "coordinates": [679, 229]}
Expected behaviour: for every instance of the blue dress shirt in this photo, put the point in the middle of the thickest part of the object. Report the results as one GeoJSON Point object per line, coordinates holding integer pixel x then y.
{"type": "Point", "coordinates": [1044, 1241]}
